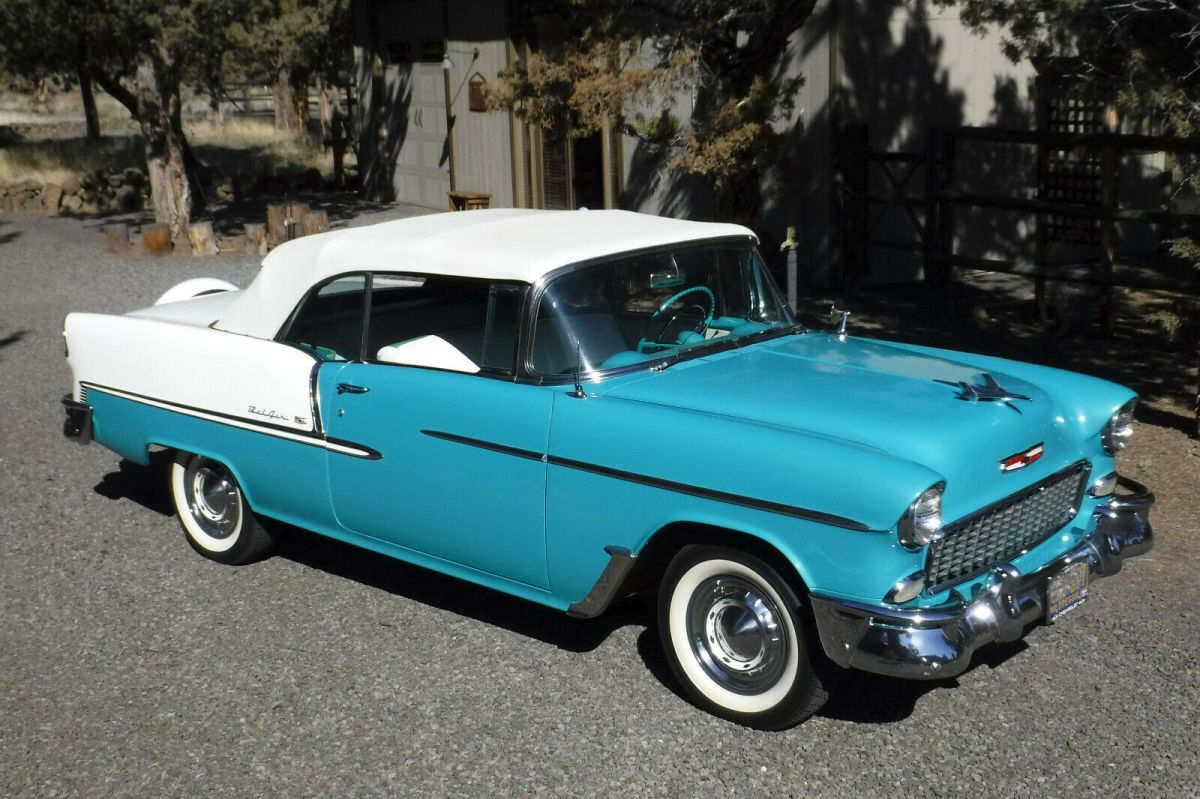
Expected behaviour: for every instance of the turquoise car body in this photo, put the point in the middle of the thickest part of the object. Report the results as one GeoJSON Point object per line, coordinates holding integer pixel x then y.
{"type": "Point", "coordinates": [813, 445]}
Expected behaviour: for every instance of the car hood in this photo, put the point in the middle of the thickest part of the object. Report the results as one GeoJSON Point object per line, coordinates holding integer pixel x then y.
{"type": "Point", "coordinates": [883, 396]}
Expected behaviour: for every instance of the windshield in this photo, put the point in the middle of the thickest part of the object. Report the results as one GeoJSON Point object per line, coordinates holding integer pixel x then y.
{"type": "Point", "coordinates": [642, 308]}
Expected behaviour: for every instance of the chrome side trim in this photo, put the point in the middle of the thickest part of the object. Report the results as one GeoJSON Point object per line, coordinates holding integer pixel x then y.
{"type": "Point", "coordinates": [605, 590]}
{"type": "Point", "coordinates": [503, 449]}
{"type": "Point", "coordinates": [300, 437]}
{"type": "Point", "coordinates": [938, 642]}
{"type": "Point", "coordinates": [658, 482]}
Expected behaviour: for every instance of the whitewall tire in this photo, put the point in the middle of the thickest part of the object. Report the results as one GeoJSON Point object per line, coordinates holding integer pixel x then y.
{"type": "Point", "coordinates": [213, 511]}
{"type": "Point", "coordinates": [734, 635]}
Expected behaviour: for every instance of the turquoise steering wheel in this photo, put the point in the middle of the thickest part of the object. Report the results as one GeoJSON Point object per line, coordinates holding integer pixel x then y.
{"type": "Point", "coordinates": [652, 341]}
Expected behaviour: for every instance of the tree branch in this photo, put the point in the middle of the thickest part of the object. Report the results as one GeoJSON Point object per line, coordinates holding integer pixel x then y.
{"type": "Point", "coordinates": [118, 92]}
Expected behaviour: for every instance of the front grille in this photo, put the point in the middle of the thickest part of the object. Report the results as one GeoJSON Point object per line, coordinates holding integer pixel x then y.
{"type": "Point", "coordinates": [1007, 528]}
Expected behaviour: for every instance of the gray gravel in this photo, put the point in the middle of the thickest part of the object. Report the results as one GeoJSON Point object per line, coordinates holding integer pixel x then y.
{"type": "Point", "coordinates": [130, 666]}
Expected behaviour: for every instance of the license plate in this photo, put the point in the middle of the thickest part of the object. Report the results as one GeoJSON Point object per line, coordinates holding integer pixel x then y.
{"type": "Point", "coordinates": [1066, 591]}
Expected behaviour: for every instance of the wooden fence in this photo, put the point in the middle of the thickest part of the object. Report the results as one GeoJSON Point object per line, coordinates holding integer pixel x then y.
{"type": "Point", "coordinates": [912, 201]}
{"type": "Point", "coordinates": [922, 185]}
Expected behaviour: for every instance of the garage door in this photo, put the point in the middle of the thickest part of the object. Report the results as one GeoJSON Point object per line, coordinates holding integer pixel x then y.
{"type": "Point", "coordinates": [422, 169]}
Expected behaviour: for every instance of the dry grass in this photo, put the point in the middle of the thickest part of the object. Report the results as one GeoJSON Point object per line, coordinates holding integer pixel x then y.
{"type": "Point", "coordinates": [54, 160]}
{"type": "Point", "coordinates": [256, 147]}
{"type": "Point", "coordinates": [238, 146]}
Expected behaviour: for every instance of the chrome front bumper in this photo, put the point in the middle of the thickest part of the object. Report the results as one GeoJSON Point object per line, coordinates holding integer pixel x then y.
{"type": "Point", "coordinates": [935, 643]}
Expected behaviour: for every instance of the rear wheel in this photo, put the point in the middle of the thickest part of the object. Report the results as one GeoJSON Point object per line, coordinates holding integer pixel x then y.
{"type": "Point", "coordinates": [733, 632]}
{"type": "Point", "coordinates": [213, 511]}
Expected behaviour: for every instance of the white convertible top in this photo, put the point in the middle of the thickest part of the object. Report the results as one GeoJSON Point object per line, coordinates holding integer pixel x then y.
{"type": "Point", "coordinates": [500, 244]}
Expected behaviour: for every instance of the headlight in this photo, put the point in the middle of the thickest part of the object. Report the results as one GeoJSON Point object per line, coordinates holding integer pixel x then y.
{"type": "Point", "coordinates": [1119, 429]}
{"type": "Point", "coordinates": [921, 524]}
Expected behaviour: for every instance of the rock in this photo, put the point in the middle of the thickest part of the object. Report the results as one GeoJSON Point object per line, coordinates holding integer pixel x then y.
{"type": "Point", "coordinates": [235, 243]}
{"type": "Point", "coordinates": [222, 188]}
{"type": "Point", "coordinates": [31, 202]}
{"type": "Point", "coordinates": [114, 180]}
{"type": "Point", "coordinates": [311, 178]}
{"type": "Point", "coordinates": [244, 185]}
{"type": "Point", "coordinates": [134, 176]}
{"type": "Point", "coordinates": [71, 203]}
{"type": "Point", "coordinates": [72, 185]}
{"type": "Point", "coordinates": [128, 198]}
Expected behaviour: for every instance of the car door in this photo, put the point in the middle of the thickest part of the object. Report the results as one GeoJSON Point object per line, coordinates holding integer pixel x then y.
{"type": "Point", "coordinates": [456, 464]}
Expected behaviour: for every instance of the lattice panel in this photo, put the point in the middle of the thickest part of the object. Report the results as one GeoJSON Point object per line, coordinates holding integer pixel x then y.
{"type": "Point", "coordinates": [1073, 176]}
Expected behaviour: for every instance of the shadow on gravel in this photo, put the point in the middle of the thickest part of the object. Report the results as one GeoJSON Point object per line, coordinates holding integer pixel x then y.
{"type": "Point", "coordinates": [6, 238]}
{"type": "Point", "coordinates": [145, 485]}
{"type": "Point", "coordinates": [13, 338]}
{"type": "Point", "coordinates": [447, 593]}
{"type": "Point", "coordinates": [874, 699]}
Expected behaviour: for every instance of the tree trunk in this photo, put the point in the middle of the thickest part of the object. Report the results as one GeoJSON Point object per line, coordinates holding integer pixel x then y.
{"type": "Point", "coordinates": [156, 84]}
{"type": "Point", "coordinates": [90, 117]}
{"type": "Point", "coordinates": [328, 97]}
{"type": "Point", "coordinates": [286, 115]}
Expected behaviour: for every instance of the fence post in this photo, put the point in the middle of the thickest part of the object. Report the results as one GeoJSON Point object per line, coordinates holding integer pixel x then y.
{"type": "Point", "coordinates": [1041, 299]}
{"type": "Point", "coordinates": [1108, 232]}
{"type": "Point", "coordinates": [939, 215]}
{"type": "Point", "coordinates": [853, 167]}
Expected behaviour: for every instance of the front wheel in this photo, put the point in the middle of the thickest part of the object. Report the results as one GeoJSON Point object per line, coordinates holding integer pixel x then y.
{"type": "Point", "coordinates": [732, 631]}
{"type": "Point", "coordinates": [213, 511]}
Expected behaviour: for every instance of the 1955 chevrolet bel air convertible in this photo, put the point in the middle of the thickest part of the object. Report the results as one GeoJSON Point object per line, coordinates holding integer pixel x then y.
{"type": "Point", "coordinates": [570, 406]}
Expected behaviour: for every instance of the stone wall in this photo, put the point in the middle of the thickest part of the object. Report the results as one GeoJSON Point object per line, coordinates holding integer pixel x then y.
{"type": "Point", "coordinates": [104, 191]}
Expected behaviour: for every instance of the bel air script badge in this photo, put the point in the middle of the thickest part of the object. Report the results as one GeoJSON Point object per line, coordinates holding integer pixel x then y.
{"type": "Point", "coordinates": [1022, 459]}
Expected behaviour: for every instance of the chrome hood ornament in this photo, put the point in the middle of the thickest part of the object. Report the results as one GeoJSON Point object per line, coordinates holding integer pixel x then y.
{"type": "Point", "coordinates": [990, 391]}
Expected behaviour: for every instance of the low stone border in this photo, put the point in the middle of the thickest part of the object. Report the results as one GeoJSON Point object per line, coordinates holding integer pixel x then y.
{"type": "Point", "coordinates": [104, 191]}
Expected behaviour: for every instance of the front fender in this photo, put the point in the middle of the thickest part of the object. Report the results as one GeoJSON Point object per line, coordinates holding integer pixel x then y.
{"type": "Point", "coordinates": [621, 470]}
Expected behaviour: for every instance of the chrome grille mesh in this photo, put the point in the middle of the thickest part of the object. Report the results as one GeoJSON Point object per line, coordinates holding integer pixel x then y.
{"type": "Point", "coordinates": [1007, 528]}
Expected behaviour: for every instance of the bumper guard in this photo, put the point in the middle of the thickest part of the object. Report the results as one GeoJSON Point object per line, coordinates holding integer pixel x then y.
{"type": "Point", "coordinates": [78, 426]}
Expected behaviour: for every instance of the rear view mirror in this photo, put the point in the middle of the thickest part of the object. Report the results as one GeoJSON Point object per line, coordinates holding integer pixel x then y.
{"type": "Point", "coordinates": [669, 278]}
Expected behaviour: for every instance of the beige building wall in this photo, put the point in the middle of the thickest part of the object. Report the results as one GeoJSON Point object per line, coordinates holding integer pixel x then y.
{"type": "Point", "coordinates": [481, 140]}
{"type": "Point", "coordinates": [975, 64]}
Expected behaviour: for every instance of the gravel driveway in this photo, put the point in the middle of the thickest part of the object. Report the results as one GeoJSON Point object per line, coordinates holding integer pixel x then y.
{"type": "Point", "coordinates": [130, 666]}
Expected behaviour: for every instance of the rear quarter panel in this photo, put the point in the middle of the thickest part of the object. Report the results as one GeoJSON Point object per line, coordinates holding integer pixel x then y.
{"type": "Point", "coordinates": [244, 401]}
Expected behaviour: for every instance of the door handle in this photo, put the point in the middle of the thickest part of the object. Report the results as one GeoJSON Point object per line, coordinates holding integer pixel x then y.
{"type": "Point", "coordinates": [347, 388]}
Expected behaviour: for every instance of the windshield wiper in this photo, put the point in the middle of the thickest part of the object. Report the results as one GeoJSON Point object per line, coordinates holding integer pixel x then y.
{"type": "Point", "coordinates": [725, 344]}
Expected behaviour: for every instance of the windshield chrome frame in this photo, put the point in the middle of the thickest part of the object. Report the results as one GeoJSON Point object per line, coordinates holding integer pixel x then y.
{"type": "Point", "coordinates": [534, 299]}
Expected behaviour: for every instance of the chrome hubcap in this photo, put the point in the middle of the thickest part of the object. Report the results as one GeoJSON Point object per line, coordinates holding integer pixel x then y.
{"type": "Point", "coordinates": [215, 503]}
{"type": "Point", "coordinates": [736, 634]}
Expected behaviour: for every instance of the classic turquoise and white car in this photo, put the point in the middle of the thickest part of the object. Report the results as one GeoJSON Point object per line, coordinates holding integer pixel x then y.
{"type": "Point", "coordinates": [574, 406]}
